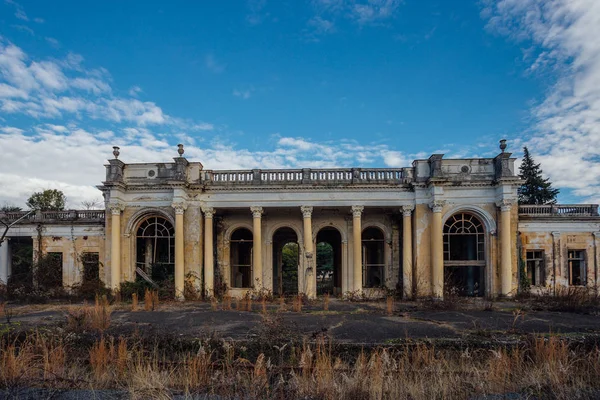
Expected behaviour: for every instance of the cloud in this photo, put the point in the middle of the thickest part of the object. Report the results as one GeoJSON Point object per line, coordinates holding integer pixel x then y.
{"type": "Point", "coordinates": [363, 12]}
{"type": "Point", "coordinates": [256, 13]}
{"type": "Point", "coordinates": [242, 94]}
{"type": "Point", "coordinates": [134, 91]}
{"type": "Point", "coordinates": [565, 131]}
{"type": "Point", "coordinates": [53, 42]}
{"type": "Point", "coordinates": [213, 65]}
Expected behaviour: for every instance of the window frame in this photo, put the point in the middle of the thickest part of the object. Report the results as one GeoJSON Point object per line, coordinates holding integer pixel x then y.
{"type": "Point", "coordinates": [538, 275]}
{"type": "Point", "coordinates": [571, 258]}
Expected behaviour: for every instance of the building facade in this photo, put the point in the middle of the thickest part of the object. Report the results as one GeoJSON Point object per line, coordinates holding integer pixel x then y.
{"type": "Point", "coordinates": [438, 225]}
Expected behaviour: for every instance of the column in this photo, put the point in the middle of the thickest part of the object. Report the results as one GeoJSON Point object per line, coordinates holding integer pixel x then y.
{"type": "Point", "coordinates": [357, 247]}
{"type": "Point", "coordinates": [311, 274]}
{"type": "Point", "coordinates": [345, 267]}
{"type": "Point", "coordinates": [179, 250]}
{"type": "Point", "coordinates": [4, 262]}
{"type": "Point", "coordinates": [407, 255]}
{"type": "Point", "coordinates": [257, 263]}
{"type": "Point", "coordinates": [115, 245]}
{"type": "Point", "coordinates": [437, 250]}
{"type": "Point", "coordinates": [209, 274]}
{"type": "Point", "coordinates": [596, 277]}
{"type": "Point", "coordinates": [505, 247]}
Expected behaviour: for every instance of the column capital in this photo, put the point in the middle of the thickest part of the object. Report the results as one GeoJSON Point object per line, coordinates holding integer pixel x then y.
{"type": "Point", "coordinates": [437, 206]}
{"type": "Point", "coordinates": [256, 211]}
{"type": "Point", "coordinates": [179, 206]}
{"type": "Point", "coordinates": [306, 211]}
{"type": "Point", "coordinates": [505, 205]}
{"type": "Point", "coordinates": [209, 212]}
{"type": "Point", "coordinates": [596, 235]}
{"type": "Point", "coordinates": [116, 207]}
{"type": "Point", "coordinates": [357, 211]}
{"type": "Point", "coordinates": [407, 210]}
{"type": "Point", "coordinates": [556, 235]}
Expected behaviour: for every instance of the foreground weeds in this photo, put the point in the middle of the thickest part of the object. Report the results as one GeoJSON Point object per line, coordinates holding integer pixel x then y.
{"type": "Point", "coordinates": [539, 368]}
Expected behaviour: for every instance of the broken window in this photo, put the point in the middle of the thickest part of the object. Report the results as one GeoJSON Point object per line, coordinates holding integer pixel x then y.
{"type": "Point", "coordinates": [535, 267]}
{"type": "Point", "coordinates": [464, 255]}
{"type": "Point", "coordinates": [155, 240]}
{"type": "Point", "coordinates": [577, 272]}
{"type": "Point", "coordinates": [241, 258]}
{"type": "Point", "coordinates": [373, 257]}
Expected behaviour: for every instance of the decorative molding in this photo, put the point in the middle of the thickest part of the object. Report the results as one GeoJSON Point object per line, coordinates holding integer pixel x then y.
{"type": "Point", "coordinates": [179, 207]}
{"type": "Point", "coordinates": [257, 211]}
{"type": "Point", "coordinates": [556, 235]}
{"type": "Point", "coordinates": [116, 207]}
{"type": "Point", "coordinates": [357, 211]}
{"type": "Point", "coordinates": [437, 206]}
{"type": "Point", "coordinates": [505, 205]}
{"type": "Point", "coordinates": [306, 211]}
{"type": "Point", "coordinates": [209, 212]}
{"type": "Point", "coordinates": [596, 234]}
{"type": "Point", "coordinates": [407, 210]}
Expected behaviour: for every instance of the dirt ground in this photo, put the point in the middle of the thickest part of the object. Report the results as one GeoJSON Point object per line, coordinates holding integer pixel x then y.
{"type": "Point", "coordinates": [345, 322]}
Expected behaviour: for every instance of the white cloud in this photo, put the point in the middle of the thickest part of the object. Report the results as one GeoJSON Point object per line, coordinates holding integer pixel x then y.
{"type": "Point", "coordinates": [134, 91]}
{"type": "Point", "coordinates": [213, 65]}
{"type": "Point", "coordinates": [53, 42]}
{"type": "Point", "coordinates": [242, 94]}
{"type": "Point", "coordinates": [565, 136]}
{"type": "Point", "coordinates": [363, 12]}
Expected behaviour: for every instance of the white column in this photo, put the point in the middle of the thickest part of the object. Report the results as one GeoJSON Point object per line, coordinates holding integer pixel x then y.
{"type": "Point", "coordinates": [437, 250]}
{"type": "Point", "coordinates": [407, 255]}
{"type": "Point", "coordinates": [4, 259]}
{"type": "Point", "coordinates": [357, 248]}
{"type": "Point", "coordinates": [115, 245]}
{"type": "Point", "coordinates": [505, 248]}
{"type": "Point", "coordinates": [257, 262]}
{"type": "Point", "coordinates": [179, 250]}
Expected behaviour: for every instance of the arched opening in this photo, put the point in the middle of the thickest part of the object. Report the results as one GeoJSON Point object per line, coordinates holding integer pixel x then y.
{"type": "Point", "coordinates": [240, 257]}
{"type": "Point", "coordinates": [373, 257]}
{"type": "Point", "coordinates": [329, 261]}
{"type": "Point", "coordinates": [155, 248]}
{"type": "Point", "coordinates": [464, 255]}
{"type": "Point", "coordinates": [285, 262]}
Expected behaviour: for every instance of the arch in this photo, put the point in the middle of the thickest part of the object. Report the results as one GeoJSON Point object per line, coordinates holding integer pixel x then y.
{"type": "Point", "coordinates": [329, 260]}
{"type": "Point", "coordinates": [286, 269]}
{"type": "Point", "coordinates": [275, 227]}
{"type": "Point", "coordinates": [387, 233]}
{"type": "Point", "coordinates": [488, 221]}
{"type": "Point", "coordinates": [466, 253]}
{"type": "Point", "coordinates": [138, 216]}
{"type": "Point", "coordinates": [373, 256]}
{"type": "Point", "coordinates": [240, 258]}
{"type": "Point", "coordinates": [231, 229]}
{"type": "Point", "coordinates": [329, 224]}
{"type": "Point", "coordinates": [155, 246]}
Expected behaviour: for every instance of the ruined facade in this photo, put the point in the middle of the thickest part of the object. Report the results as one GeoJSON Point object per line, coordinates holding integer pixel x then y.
{"type": "Point", "coordinates": [440, 224]}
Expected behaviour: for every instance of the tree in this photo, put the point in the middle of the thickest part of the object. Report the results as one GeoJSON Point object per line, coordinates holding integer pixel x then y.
{"type": "Point", "coordinates": [9, 208]}
{"type": "Point", "coordinates": [535, 189]}
{"type": "Point", "coordinates": [48, 200]}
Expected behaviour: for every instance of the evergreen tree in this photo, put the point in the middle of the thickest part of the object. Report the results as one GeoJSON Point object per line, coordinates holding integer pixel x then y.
{"type": "Point", "coordinates": [535, 189]}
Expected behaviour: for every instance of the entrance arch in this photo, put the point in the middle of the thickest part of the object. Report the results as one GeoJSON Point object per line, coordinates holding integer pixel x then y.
{"type": "Point", "coordinates": [329, 261]}
{"type": "Point", "coordinates": [286, 260]}
{"type": "Point", "coordinates": [464, 254]}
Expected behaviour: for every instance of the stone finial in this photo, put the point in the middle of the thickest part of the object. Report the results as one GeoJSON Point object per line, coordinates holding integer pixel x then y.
{"type": "Point", "coordinates": [180, 150]}
{"type": "Point", "coordinates": [116, 152]}
{"type": "Point", "coordinates": [503, 145]}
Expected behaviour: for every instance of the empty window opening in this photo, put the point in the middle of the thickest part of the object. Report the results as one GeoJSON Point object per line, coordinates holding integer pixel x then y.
{"type": "Point", "coordinates": [241, 258]}
{"type": "Point", "coordinates": [155, 240]}
{"type": "Point", "coordinates": [535, 267]}
{"type": "Point", "coordinates": [373, 250]}
{"type": "Point", "coordinates": [577, 271]}
{"type": "Point", "coordinates": [91, 267]}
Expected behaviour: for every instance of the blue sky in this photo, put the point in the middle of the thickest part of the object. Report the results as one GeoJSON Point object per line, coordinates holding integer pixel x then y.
{"type": "Point", "coordinates": [274, 84]}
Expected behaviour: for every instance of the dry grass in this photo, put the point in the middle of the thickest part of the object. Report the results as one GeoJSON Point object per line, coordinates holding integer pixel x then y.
{"type": "Point", "coordinates": [540, 368]}
{"type": "Point", "coordinates": [263, 305]}
{"type": "Point", "coordinates": [297, 303]}
{"type": "Point", "coordinates": [134, 302]}
{"type": "Point", "coordinates": [214, 304]}
{"type": "Point", "coordinates": [150, 300]}
{"type": "Point", "coordinates": [226, 303]}
{"type": "Point", "coordinates": [326, 302]}
{"type": "Point", "coordinates": [96, 317]}
{"type": "Point", "coordinates": [389, 305]}
{"type": "Point", "coordinates": [282, 307]}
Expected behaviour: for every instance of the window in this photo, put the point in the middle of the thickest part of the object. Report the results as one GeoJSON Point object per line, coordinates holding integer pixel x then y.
{"type": "Point", "coordinates": [373, 257]}
{"type": "Point", "coordinates": [241, 258]}
{"type": "Point", "coordinates": [577, 273]}
{"type": "Point", "coordinates": [535, 267]}
{"type": "Point", "coordinates": [50, 275]}
{"type": "Point", "coordinates": [155, 241]}
{"type": "Point", "coordinates": [91, 267]}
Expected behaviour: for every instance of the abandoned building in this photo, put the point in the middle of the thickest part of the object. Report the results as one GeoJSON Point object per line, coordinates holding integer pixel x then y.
{"type": "Point", "coordinates": [440, 224]}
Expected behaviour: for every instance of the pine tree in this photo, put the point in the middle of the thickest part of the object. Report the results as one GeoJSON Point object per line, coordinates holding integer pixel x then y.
{"type": "Point", "coordinates": [535, 189]}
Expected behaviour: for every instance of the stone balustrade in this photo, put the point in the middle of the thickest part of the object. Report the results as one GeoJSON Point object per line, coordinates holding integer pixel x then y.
{"type": "Point", "coordinates": [321, 176]}
{"type": "Point", "coordinates": [55, 216]}
{"type": "Point", "coordinates": [559, 210]}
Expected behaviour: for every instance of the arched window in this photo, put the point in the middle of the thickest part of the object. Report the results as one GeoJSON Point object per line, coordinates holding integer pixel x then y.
{"type": "Point", "coordinates": [240, 251]}
{"type": "Point", "coordinates": [155, 243]}
{"type": "Point", "coordinates": [373, 257]}
{"type": "Point", "coordinates": [464, 238]}
{"type": "Point", "coordinates": [464, 255]}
